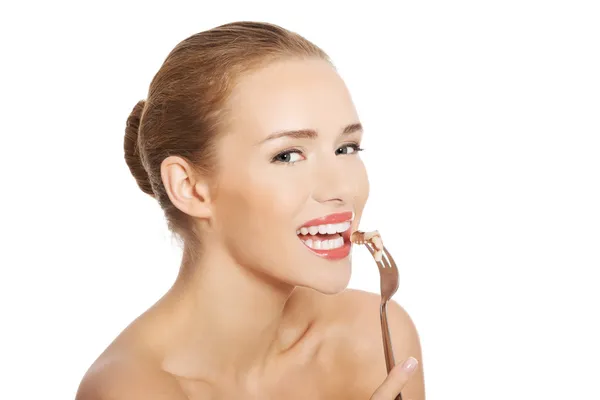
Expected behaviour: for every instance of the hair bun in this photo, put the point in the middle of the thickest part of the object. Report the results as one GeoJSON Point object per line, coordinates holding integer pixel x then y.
{"type": "Point", "coordinates": [132, 155]}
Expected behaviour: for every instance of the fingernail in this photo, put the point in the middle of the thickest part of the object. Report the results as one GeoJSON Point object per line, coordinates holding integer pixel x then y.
{"type": "Point", "coordinates": [410, 364]}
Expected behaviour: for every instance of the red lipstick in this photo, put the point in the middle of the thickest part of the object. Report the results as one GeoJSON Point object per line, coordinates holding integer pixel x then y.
{"type": "Point", "coordinates": [330, 219]}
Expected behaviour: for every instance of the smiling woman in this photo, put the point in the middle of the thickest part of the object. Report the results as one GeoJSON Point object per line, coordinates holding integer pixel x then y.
{"type": "Point", "coordinates": [249, 140]}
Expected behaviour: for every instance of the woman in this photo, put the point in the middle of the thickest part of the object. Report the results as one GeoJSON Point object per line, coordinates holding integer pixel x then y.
{"type": "Point", "coordinates": [249, 141]}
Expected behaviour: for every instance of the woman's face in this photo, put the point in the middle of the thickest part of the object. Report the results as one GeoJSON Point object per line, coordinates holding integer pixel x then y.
{"type": "Point", "coordinates": [273, 182]}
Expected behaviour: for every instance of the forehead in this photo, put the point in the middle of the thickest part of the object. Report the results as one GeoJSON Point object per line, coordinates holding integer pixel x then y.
{"type": "Point", "coordinates": [291, 94]}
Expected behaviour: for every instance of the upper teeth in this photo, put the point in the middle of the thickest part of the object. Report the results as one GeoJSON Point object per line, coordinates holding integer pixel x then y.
{"type": "Point", "coordinates": [324, 229]}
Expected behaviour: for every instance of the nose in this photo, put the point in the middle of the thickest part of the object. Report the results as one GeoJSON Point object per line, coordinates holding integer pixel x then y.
{"type": "Point", "coordinates": [333, 182]}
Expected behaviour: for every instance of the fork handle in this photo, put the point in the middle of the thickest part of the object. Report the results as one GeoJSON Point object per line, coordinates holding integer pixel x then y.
{"type": "Point", "coordinates": [388, 350]}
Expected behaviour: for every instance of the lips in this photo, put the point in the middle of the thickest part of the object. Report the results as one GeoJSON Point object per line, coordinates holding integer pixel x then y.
{"type": "Point", "coordinates": [330, 219]}
{"type": "Point", "coordinates": [329, 236]}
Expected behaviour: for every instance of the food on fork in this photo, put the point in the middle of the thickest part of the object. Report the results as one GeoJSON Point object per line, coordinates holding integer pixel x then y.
{"type": "Point", "coordinates": [373, 237]}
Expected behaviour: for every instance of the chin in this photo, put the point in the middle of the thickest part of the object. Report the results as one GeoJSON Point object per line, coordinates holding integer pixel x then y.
{"type": "Point", "coordinates": [324, 248]}
{"type": "Point", "coordinates": [330, 279]}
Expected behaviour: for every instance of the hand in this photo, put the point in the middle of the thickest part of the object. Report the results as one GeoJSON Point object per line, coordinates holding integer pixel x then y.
{"type": "Point", "coordinates": [395, 381]}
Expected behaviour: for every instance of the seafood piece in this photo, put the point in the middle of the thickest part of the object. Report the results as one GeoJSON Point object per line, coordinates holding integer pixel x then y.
{"type": "Point", "coordinates": [373, 237]}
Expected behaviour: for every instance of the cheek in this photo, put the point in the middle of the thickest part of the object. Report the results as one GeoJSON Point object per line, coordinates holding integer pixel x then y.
{"type": "Point", "coordinates": [361, 186]}
{"type": "Point", "coordinates": [361, 189]}
{"type": "Point", "coordinates": [258, 207]}
{"type": "Point", "coordinates": [256, 223]}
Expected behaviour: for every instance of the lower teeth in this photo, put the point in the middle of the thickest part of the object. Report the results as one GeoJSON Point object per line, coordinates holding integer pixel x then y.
{"type": "Point", "coordinates": [325, 244]}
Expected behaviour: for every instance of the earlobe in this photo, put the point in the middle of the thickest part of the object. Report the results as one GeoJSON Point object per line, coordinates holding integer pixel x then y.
{"type": "Point", "coordinates": [185, 190]}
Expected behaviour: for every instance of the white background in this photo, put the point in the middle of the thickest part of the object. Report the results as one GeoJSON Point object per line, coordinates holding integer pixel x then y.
{"type": "Point", "coordinates": [482, 142]}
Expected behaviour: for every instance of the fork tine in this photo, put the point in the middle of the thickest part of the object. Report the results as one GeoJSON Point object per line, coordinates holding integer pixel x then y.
{"type": "Point", "coordinates": [379, 263]}
{"type": "Point", "coordinates": [368, 246]}
{"type": "Point", "coordinates": [384, 259]}
{"type": "Point", "coordinates": [384, 262]}
{"type": "Point", "coordinates": [392, 263]}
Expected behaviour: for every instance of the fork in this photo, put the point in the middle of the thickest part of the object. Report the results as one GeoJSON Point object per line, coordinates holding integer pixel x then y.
{"type": "Point", "coordinates": [389, 280]}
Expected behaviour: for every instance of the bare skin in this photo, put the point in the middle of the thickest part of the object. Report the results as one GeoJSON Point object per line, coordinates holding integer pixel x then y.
{"type": "Point", "coordinates": [259, 316]}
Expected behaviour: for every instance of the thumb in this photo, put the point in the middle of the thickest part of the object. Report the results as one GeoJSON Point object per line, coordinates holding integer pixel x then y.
{"type": "Point", "coordinates": [395, 381]}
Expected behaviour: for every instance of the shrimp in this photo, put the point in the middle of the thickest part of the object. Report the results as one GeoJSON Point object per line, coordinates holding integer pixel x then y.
{"type": "Point", "coordinates": [373, 237]}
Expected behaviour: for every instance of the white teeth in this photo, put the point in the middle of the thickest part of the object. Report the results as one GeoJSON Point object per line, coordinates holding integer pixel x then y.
{"type": "Point", "coordinates": [330, 229]}
{"type": "Point", "coordinates": [325, 244]}
{"type": "Point", "coordinates": [324, 229]}
{"type": "Point", "coordinates": [341, 227]}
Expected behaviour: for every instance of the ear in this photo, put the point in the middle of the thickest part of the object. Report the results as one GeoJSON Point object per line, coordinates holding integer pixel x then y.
{"type": "Point", "coordinates": [186, 190]}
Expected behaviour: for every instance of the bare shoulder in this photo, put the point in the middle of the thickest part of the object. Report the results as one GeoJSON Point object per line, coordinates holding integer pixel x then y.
{"type": "Point", "coordinates": [355, 328]}
{"type": "Point", "coordinates": [116, 376]}
{"type": "Point", "coordinates": [360, 310]}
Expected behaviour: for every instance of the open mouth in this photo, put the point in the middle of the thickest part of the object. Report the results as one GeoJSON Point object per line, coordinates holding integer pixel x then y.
{"type": "Point", "coordinates": [328, 236]}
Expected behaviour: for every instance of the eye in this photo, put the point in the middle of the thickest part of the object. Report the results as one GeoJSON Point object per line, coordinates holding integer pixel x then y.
{"type": "Point", "coordinates": [288, 157]}
{"type": "Point", "coordinates": [349, 148]}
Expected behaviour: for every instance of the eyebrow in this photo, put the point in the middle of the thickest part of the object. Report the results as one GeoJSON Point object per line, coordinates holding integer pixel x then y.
{"type": "Point", "coordinates": [311, 133]}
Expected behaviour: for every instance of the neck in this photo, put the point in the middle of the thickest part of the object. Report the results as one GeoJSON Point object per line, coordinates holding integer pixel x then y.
{"type": "Point", "coordinates": [227, 319]}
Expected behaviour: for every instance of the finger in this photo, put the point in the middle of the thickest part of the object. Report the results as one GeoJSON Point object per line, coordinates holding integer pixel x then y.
{"type": "Point", "coordinates": [395, 381]}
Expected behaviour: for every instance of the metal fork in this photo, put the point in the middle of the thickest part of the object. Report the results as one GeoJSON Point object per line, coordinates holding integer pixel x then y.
{"type": "Point", "coordinates": [389, 280]}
